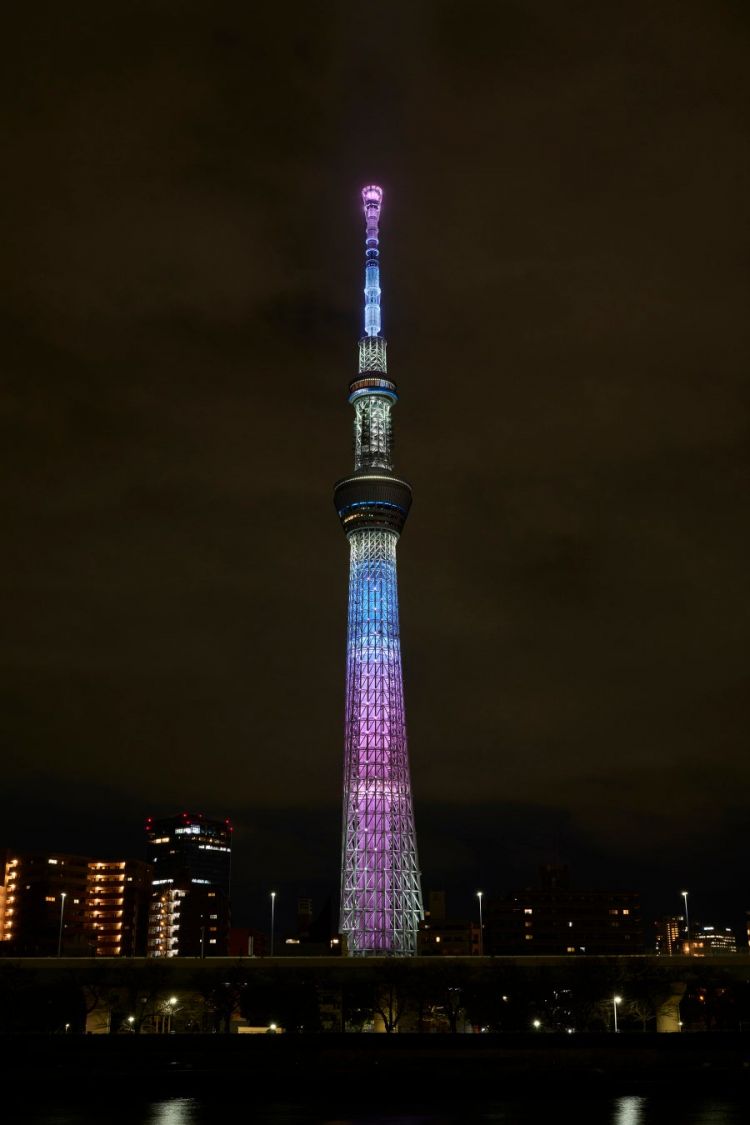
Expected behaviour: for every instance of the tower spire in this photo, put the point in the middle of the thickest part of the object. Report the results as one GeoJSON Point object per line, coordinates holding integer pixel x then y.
{"type": "Point", "coordinates": [372, 199]}
{"type": "Point", "coordinates": [381, 893]}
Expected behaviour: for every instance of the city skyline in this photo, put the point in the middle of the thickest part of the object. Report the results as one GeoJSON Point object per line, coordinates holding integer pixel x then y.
{"type": "Point", "coordinates": [567, 300]}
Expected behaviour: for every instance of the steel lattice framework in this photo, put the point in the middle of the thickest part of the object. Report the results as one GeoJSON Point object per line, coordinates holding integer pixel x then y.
{"type": "Point", "coordinates": [381, 896]}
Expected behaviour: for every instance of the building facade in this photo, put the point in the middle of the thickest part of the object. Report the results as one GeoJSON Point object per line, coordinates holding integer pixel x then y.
{"type": "Point", "coordinates": [191, 857]}
{"type": "Point", "coordinates": [381, 896]}
{"type": "Point", "coordinates": [555, 919]}
{"type": "Point", "coordinates": [117, 901]}
{"type": "Point", "coordinates": [712, 941]}
{"type": "Point", "coordinates": [45, 904]}
{"type": "Point", "coordinates": [670, 935]}
{"type": "Point", "coordinates": [442, 936]}
{"type": "Point", "coordinates": [74, 905]}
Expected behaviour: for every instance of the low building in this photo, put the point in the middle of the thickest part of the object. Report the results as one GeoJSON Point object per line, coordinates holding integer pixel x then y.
{"type": "Point", "coordinates": [188, 921]}
{"type": "Point", "coordinates": [553, 918]}
{"type": "Point", "coordinates": [712, 941]}
{"type": "Point", "coordinates": [246, 942]}
{"type": "Point", "coordinates": [450, 938]}
{"type": "Point", "coordinates": [439, 935]}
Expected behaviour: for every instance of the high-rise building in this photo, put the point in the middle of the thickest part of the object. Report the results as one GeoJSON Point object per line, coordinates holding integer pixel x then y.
{"type": "Point", "coordinates": [190, 847]}
{"type": "Point", "coordinates": [189, 913]}
{"type": "Point", "coordinates": [117, 901]}
{"type": "Point", "coordinates": [381, 896]}
{"type": "Point", "coordinates": [670, 935]}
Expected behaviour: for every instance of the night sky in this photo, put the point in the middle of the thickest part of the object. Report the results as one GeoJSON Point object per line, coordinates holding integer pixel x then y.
{"type": "Point", "coordinates": [565, 253]}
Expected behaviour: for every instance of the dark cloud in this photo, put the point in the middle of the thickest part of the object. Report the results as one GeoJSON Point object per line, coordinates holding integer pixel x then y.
{"type": "Point", "coordinates": [565, 269]}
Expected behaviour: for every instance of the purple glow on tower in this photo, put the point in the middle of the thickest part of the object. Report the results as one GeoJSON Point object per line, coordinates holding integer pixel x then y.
{"type": "Point", "coordinates": [381, 897]}
{"type": "Point", "coordinates": [372, 199]}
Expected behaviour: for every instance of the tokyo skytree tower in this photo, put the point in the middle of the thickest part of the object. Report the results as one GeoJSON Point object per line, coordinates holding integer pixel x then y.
{"type": "Point", "coordinates": [381, 895]}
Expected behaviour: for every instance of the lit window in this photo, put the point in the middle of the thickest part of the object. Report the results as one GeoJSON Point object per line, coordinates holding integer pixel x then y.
{"type": "Point", "coordinates": [52, 861]}
{"type": "Point", "coordinates": [626, 911]}
{"type": "Point", "coordinates": [528, 910]}
{"type": "Point", "coordinates": [50, 898]}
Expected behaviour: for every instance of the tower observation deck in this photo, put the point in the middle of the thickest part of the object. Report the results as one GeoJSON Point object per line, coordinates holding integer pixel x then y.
{"type": "Point", "coordinates": [381, 896]}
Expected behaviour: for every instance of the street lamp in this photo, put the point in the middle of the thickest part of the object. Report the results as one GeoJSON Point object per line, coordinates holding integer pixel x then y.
{"type": "Point", "coordinates": [536, 1024]}
{"type": "Point", "coordinates": [481, 926]}
{"type": "Point", "coordinates": [615, 1001]}
{"type": "Point", "coordinates": [63, 896]}
{"type": "Point", "coordinates": [687, 919]}
{"type": "Point", "coordinates": [273, 917]}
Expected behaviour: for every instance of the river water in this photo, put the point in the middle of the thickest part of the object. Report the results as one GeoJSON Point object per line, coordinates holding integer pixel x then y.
{"type": "Point", "coordinates": [626, 1110]}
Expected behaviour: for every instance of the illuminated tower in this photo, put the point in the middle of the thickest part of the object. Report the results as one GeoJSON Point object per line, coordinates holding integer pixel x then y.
{"type": "Point", "coordinates": [381, 896]}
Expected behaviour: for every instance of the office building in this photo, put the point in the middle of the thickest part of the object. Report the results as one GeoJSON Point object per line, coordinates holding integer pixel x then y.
{"type": "Point", "coordinates": [189, 912]}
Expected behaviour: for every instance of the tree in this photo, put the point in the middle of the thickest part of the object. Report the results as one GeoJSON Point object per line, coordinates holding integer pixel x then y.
{"type": "Point", "coordinates": [393, 992]}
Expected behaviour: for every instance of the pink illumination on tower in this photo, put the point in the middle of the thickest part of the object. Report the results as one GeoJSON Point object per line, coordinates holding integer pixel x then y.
{"type": "Point", "coordinates": [381, 896]}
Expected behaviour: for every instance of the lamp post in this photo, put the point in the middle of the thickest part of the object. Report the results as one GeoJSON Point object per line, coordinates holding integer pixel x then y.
{"type": "Point", "coordinates": [63, 896]}
{"type": "Point", "coordinates": [687, 919]}
{"type": "Point", "coordinates": [615, 1001]}
{"type": "Point", "coordinates": [273, 917]}
{"type": "Point", "coordinates": [481, 925]}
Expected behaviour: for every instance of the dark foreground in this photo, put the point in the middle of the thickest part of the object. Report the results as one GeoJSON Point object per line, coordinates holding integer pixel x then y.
{"type": "Point", "coordinates": [446, 1068]}
{"type": "Point", "coordinates": [394, 1107]}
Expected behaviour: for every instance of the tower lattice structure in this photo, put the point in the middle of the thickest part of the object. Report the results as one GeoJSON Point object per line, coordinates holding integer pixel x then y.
{"type": "Point", "coordinates": [381, 895]}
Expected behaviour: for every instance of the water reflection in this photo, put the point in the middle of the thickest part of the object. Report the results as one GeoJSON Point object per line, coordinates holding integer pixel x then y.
{"type": "Point", "coordinates": [717, 1113]}
{"type": "Point", "coordinates": [628, 1111]}
{"type": "Point", "coordinates": [172, 1111]}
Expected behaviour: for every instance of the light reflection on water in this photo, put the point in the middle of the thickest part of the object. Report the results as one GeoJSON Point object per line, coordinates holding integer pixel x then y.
{"type": "Point", "coordinates": [173, 1111]}
{"type": "Point", "coordinates": [626, 1110]}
